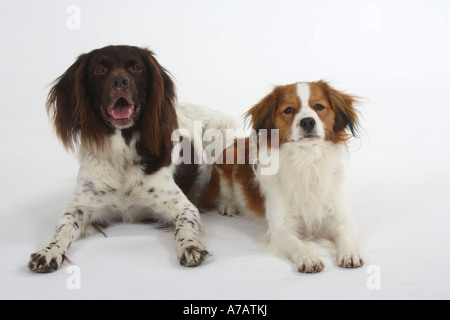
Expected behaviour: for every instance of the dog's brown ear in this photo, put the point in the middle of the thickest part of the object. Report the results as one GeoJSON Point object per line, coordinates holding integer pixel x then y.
{"type": "Point", "coordinates": [346, 115]}
{"type": "Point", "coordinates": [159, 118]}
{"type": "Point", "coordinates": [68, 106]}
{"type": "Point", "coordinates": [261, 116]}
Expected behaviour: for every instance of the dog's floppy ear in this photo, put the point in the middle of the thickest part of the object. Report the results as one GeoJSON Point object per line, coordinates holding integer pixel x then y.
{"type": "Point", "coordinates": [159, 118]}
{"type": "Point", "coordinates": [262, 114]}
{"type": "Point", "coordinates": [68, 106]}
{"type": "Point", "coordinates": [64, 103]}
{"type": "Point", "coordinates": [346, 115]}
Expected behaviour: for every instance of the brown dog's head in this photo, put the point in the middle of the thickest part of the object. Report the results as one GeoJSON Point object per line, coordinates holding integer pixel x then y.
{"type": "Point", "coordinates": [114, 88]}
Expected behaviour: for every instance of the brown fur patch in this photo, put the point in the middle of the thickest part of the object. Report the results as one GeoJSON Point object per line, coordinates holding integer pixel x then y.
{"type": "Point", "coordinates": [232, 174]}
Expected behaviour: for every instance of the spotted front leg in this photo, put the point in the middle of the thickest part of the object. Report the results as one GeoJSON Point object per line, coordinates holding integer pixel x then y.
{"type": "Point", "coordinates": [191, 252]}
{"type": "Point", "coordinates": [163, 196]}
{"type": "Point", "coordinates": [69, 229]}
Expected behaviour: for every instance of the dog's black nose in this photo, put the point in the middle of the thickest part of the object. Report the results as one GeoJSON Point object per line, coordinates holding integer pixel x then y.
{"type": "Point", "coordinates": [307, 124]}
{"type": "Point", "coordinates": [120, 82]}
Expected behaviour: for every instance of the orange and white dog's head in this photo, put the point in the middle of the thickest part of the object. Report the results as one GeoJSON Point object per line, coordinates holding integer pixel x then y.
{"type": "Point", "coordinates": [306, 113]}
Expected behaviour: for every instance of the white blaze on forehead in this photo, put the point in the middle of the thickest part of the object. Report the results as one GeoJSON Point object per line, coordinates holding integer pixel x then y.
{"type": "Point", "coordinates": [303, 92]}
{"type": "Point", "coordinates": [306, 111]}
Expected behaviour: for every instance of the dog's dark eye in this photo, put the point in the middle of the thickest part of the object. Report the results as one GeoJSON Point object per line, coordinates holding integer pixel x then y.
{"type": "Point", "coordinates": [319, 107]}
{"type": "Point", "coordinates": [99, 70]}
{"type": "Point", "coordinates": [289, 110]}
{"type": "Point", "coordinates": [136, 68]}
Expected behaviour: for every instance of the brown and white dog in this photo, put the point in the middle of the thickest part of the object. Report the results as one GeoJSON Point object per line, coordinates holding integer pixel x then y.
{"type": "Point", "coordinates": [302, 198]}
{"type": "Point", "coordinates": [117, 106]}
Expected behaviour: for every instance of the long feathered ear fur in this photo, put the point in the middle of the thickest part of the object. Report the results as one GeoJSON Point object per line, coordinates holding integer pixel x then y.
{"type": "Point", "coordinates": [73, 115]}
{"type": "Point", "coordinates": [346, 115]}
{"type": "Point", "coordinates": [262, 114]}
{"type": "Point", "coordinates": [158, 118]}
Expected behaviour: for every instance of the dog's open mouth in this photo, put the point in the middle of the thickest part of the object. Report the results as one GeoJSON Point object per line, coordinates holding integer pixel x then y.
{"type": "Point", "coordinates": [122, 112]}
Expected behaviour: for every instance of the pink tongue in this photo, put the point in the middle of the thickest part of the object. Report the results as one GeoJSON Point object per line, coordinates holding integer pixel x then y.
{"type": "Point", "coordinates": [122, 112]}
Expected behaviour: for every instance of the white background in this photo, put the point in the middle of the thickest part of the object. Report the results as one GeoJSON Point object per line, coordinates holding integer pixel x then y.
{"type": "Point", "coordinates": [228, 55]}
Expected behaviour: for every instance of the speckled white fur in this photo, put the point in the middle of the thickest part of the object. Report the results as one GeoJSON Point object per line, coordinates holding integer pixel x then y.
{"type": "Point", "coordinates": [113, 187]}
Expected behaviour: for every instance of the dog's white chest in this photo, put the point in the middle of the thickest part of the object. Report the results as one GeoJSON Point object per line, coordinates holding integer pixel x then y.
{"type": "Point", "coordinates": [116, 169]}
{"type": "Point", "coordinates": [310, 179]}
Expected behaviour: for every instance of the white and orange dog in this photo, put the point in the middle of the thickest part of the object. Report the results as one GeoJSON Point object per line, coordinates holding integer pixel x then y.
{"type": "Point", "coordinates": [302, 199]}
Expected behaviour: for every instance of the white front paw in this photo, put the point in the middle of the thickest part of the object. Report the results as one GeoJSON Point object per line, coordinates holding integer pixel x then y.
{"type": "Point", "coordinates": [310, 264]}
{"type": "Point", "coordinates": [349, 260]}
